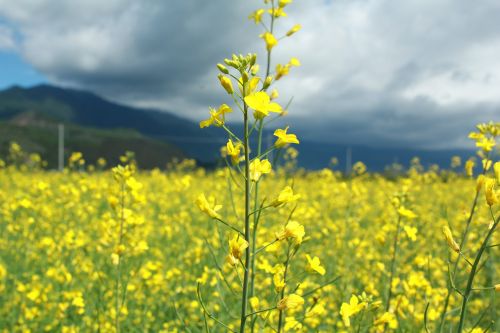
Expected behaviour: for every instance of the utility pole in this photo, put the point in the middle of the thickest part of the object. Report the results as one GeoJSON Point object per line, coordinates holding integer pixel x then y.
{"type": "Point", "coordinates": [60, 146]}
{"type": "Point", "coordinates": [348, 161]}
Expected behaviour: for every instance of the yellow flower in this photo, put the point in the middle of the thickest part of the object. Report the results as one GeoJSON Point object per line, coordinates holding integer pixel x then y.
{"type": "Point", "coordinates": [285, 196]}
{"type": "Point", "coordinates": [217, 117]}
{"type": "Point", "coordinates": [237, 245]}
{"type": "Point", "coordinates": [406, 213]}
{"type": "Point", "coordinates": [270, 40]}
{"type": "Point", "coordinates": [291, 301]}
{"type": "Point", "coordinates": [254, 302]}
{"type": "Point", "coordinates": [261, 103]}
{"type": "Point", "coordinates": [348, 310]}
{"type": "Point", "coordinates": [250, 86]}
{"type": "Point", "coordinates": [258, 168]}
{"type": "Point", "coordinates": [284, 138]}
{"type": "Point", "coordinates": [226, 83]}
{"type": "Point", "coordinates": [234, 151]}
{"type": "Point", "coordinates": [294, 62]}
{"type": "Point", "coordinates": [449, 238]}
{"type": "Point", "coordinates": [278, 281]}
{"type": "Point", "coordinates": [78, 302]}
{"type": "Point", "coordinates": [469, 167]}
{"type": "Point", "coordinates": [497, 287]}
{"type": "Point", "coordinates": [486, 144]}
{"type": "Point", "coordinates": [486, 164]}
{"type": "Point", "coordinates": [283, 3]}
{"type": "Point", "coordinates": [282, 70]}
{"type": "Point", "coordinates": [480, 182]}
{"type": "Point", "coordinates": [277, 12]}
{"type": "Point", "coordinates": [411, 232]}
{"type": "Point", "coordinates": [207, 208]}
{"type": "Point", "coordinates": [115, 259]}
{"type": "Point", "coordinates": [274, 94]}
{"type": "Point", "coordinates": [255, 69]}
{"type": "Point", "coordinates": [489, 192]}
{"type": "Point", "coordinates": [257, 16]}
{"type": "Point", "coordinates": [387, 318]}
{"type": "Point", "coordinates": [294, 29]}
{"type": "Point", "coordinates": [76, 158]}
{"type": "Point", "coordinates": [292, 230]}
{"type": "Point", "coordinates": [314, 265]}
{"type": "Point", "coordinates": [359, 168]}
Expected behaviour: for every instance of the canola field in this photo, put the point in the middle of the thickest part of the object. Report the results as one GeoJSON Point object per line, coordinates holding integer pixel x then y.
{"type": "Point", "coordinates": [78, 246]}
{"type": "Point", "coordinates": [255, 246]}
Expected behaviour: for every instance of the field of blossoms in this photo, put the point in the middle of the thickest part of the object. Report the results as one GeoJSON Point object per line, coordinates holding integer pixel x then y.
{"type": "Point", "coordinates": [256, 245]}
{"type": "Point", "coordinates": [59, 236]}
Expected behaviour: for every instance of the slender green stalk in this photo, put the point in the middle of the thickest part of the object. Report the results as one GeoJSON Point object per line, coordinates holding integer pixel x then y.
{"type": "Point", "coordinates": [260, 311]}
{"type": "Point", "coordinates": [463, 241]}
{"type": "Point", "coordinates": [246, 147]}
{"type": "Point", "coordinates": [472, 275]}
{"type": "Point", "coordinates": [255, 220]}
{"type": "Point", "coordinates": [207, 313]}
{"type": "Point", "coordinates": [256, 198]}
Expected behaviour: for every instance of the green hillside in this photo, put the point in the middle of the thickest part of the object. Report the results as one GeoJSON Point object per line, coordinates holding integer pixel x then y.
{"type": "Point", "coordinates": [94, 143]}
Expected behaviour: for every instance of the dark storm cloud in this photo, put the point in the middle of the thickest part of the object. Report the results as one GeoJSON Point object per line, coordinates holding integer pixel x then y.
{"type": "Point", "coordinates": [377, 72]}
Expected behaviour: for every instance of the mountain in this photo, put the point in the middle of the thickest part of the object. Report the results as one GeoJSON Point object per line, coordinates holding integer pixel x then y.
{"type": "Point", "coordinates": [46, 104]}
{"type": "Point", "coordinates": [98, 127]}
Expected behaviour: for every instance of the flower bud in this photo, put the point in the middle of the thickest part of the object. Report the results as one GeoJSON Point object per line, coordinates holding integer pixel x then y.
{"type": "Point", "coordinates": [231, 63]}
{"type": "Point", "coordinates": [479, 183]}
{"type": "Point", "coordinates": [226, 84]}
{"type": "Point", "coordinates": [489, 192]}
{"type": "Point", "coordinates": [244, 77]}
{"type": "Point", "coordinates": [267, 82]}
{"type": "Point", "coordinates": [222, 68]}
{"type": "Point", "coordinates": [294, 29]}
{"type": "Point", "coordinates": [253, 59]}
{"type": "Point", "coordinates": [449, 239]}
{"type": "Point", "coordinates": [254, 70]}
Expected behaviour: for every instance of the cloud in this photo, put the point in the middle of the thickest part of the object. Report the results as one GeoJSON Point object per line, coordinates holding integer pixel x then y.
{"type": "Point", "coordinates": [6, 39]}
{"type": "Point", "coordinates": [410, 73]}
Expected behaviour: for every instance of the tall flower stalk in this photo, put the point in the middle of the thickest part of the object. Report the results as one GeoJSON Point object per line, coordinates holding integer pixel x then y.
{"type": "Point", "coordinates": [256, 101]}
{"type": "Point", "coordinates": [488, 183]}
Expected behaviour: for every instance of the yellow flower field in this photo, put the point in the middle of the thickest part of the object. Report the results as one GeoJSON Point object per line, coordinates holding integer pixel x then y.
{"type": "Point", "coordinates": [59, 235]}
{"type": "Point", "coordinates": [256, 245]}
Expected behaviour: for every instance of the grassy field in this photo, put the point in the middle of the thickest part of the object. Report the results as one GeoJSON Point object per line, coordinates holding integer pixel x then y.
{"type": "Point", "coordinates": [59, 236]}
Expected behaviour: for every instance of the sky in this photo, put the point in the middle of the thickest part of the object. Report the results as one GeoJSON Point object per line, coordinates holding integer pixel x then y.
{"type": "Point", "coordinates": [413, 73]}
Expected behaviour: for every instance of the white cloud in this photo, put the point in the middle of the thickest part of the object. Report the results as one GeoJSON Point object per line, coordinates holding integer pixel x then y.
{"type": "Point", "coordinates": [6, 39]}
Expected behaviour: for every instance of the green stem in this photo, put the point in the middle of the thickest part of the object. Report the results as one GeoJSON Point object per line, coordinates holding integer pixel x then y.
{"type": "Point", "coordinates": [255, 222]}
{"type": "Point", "coordinates": [260, 311]}
{"type": "Point", "coordinates": [229, 226]}
{"type": "Point", "coordinates": [462, 244]}
{"type": "Point", "coordinates": [244, 300]}
{"type": "Point", "coordinates": [472, 275]}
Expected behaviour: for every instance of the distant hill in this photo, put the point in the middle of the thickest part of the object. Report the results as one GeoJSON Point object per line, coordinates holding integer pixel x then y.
{"type": "Point", "coordinates": [33, 110]}
{"type": "Point", "coordinates": [93, 143]}
{"type": "Point", "coordinates": [99, 127]}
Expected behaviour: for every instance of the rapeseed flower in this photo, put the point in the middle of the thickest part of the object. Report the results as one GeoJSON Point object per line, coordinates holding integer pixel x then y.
{"type": "Point", "coordinates": [208, 208]}
{"type": "Point", "coordinates": [261, 103]}
{"type": "Point", "coordinates": [284, 138]}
